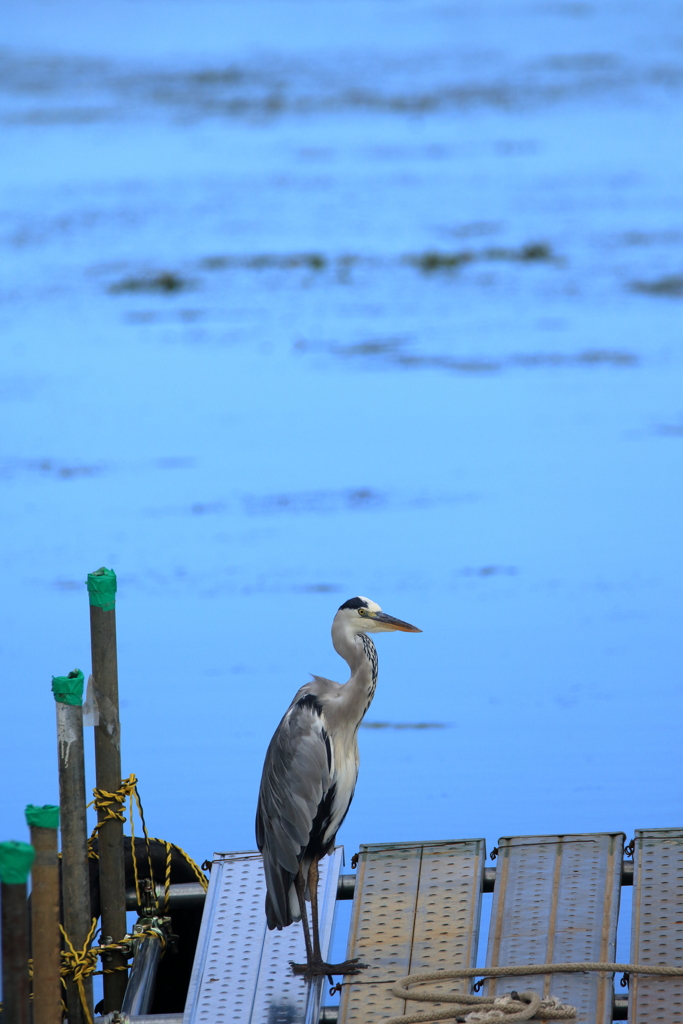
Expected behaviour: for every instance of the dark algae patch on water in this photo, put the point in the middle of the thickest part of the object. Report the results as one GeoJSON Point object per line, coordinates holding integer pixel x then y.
{"type": "Point", "coordinates": [387, 352]}
{"type": "Point", "coordinates": [433, 260]}
{"type": "Point", "coordinates": [404, 725]}
{"type": "Point", "coordinates": [671, 285]}
{"type": "Point", "coordinates": [268, 261]}
{"type": "Point", "coordinates": [164, 283]}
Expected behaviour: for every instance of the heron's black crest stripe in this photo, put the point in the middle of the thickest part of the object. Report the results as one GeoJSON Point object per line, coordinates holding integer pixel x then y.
{"type": "Point", "coordinates": [354, 602]}
{"type": "Point", "coordinates": [312, 702]}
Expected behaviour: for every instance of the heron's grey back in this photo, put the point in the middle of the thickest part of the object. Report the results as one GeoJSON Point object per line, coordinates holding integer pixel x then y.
{"type": "Point", "coordinates": [296, 777]}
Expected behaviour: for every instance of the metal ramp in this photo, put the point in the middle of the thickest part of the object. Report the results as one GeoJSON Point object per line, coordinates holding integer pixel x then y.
{"type": "Point", "coordinates": [241, 972]}
{"type": "Point", "coordinates": [556, 900]}
{"type": "Point", "coordinates": [657, 925]}
{"type": "Point", "coordinates": [416, 908]}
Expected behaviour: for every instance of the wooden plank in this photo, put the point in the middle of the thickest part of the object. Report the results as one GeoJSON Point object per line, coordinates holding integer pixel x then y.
{"type": "Point", "coordinates": [657, 925]}
{"type": "Point", "coordinates": [416, 908]}
{"type": "Point", "coordinates": [556, 900]}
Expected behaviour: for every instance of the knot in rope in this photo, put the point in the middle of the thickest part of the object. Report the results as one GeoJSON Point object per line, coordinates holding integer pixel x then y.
{"type": "Point", "coordinates": [526, 1005]}
{"type": "Point", "coordinates": [155, 933]}
{"type": "Point", "coordinates": [516, 1006]}
{"type": "Point", "coordinates": [80, 964]}
{"type": "Point", "coordinates": [113, 803]}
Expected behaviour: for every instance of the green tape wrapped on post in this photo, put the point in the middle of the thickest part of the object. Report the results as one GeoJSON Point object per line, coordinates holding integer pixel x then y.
{"type": "Point", "coordinates": [46, 816]}
{"type": "Point", "coordinates": [102, 589]}
{"type": "Point", "coordinates": [69, 689]}
{"type": "Point", "coordinates": [15, 862]}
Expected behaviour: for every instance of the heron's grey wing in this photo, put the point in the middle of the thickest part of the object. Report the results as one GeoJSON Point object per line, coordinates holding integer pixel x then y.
{"type": "Point", "coordinates": [296, 777]}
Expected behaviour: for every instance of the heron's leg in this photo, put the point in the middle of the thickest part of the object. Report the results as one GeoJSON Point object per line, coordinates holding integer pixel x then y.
{"type": "Point", "coordinates": [300, 884]}
{"type": "Point", "coordinates": [313, 886]}
{"type": "Point", "coordinates": [316, 966]}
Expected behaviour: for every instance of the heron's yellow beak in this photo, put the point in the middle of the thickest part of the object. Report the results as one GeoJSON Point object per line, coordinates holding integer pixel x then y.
{"type": "Point", "coordinates": [390, 623]}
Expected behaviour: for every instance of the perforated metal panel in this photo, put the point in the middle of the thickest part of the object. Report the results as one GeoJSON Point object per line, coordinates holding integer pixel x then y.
{"type": "Point", "coordinates": [241, 972]}
{"type": "Point", "coordinates": [657, 925]}
{"type": "Point", "coordinates": [416, 908]}
{"type": "Point", "coordinates": [556, 900]}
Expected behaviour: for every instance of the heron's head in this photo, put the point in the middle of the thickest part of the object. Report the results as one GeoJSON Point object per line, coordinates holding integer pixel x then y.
{"type": "Point", "coordinates": [361, 615]}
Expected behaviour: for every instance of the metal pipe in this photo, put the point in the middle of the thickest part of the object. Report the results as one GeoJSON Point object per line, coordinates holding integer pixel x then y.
{"type": "Point", "coordinates": [187, 894]}
{"type": "Point", "coordinates": [140, 991]}
{"type": "Point", "coordinates": [15, 953]}
{"type": "Point", "coordinates": [620, 1010]}
{"type": "Point", "coordinates": [102, 591]}
{"type": "Point", "coordinates": [627, 873]}
{"type": "Point", "coordinates": [154, 1018]}
{"type": "Point", "coordinates": [75, 875]}
{"type": "Point", "coordinates": [346, 886]}
{"type": "Point", "coordinates": [489, 878]}
{"type": "Point", "coordinates": [181, 895]}
{"type": "Point", "coordinates": [329, 1014]}
{"type": "Point", "coordinates": [45, 937]}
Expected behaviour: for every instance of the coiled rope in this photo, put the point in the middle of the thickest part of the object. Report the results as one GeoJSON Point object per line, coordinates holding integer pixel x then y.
{"type": "Point", "coordinates": [516, 1006]}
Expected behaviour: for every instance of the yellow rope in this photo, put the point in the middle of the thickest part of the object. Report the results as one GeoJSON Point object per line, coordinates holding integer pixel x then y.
{"type": "Point", "coordinates": [80, 963]}
{"type": "Point", "coordinates": [201, 877]}
{"type": "Point", "coordinates": [167, 878]}
{"type": "Point", "coordinates": [103, 800]}
{"type": "Point", "coordinates": [113, 804]}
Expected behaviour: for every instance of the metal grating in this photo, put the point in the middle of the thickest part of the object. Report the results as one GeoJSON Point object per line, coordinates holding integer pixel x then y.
{"type": "Point", "coordinates": [416, 908]}
{"type": "Point", "coordinates": [556, 900]}
{"type": "Point", "coordinates": [657, 925]}
{"type": "Point", "coordinates": [241, 972]}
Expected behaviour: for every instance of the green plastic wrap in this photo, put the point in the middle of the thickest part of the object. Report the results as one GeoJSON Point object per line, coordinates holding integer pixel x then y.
{"type": "Point", "coordinates": [15, 862]}
{"type": "Point", "coordinates": [46, 816]}
{"type": "Point", "coordinates": [102, 589]}
{"type": "Point", "coordinates": [69, 689]}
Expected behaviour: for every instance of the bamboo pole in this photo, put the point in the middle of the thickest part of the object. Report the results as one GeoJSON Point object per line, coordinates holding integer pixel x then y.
{"type": "Point", "coordinates": [45, 937]}
{"type": "Point", "coordinates": [15, 864]}
{"type": "Point", "coordinates": [102, 594]}
{"type": "Point", "coordinates": [68, 691]}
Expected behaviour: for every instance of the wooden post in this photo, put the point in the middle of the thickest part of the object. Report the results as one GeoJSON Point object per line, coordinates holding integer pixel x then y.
{"type": "Point", "coordinates": [15, 864]}
{"type": "Point", "coordinates": [68, 691]}
{"type": "Point", "coordinates": [45, 936]}
{"type": "Point", "coordinates": [102, 594]}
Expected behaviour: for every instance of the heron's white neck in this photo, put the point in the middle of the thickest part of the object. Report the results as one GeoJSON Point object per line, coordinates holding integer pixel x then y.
{"type": "Point", "coordinates": [359, 652]}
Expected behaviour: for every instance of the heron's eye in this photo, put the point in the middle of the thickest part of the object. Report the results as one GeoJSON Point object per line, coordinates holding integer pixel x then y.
{"type": "Point", "coordinates": [361, 611]}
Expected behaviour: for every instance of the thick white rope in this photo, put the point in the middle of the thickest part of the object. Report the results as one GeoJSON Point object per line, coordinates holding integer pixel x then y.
{"type": "Point", "coordinates": [526, 1005]}
{"type": "Point", "coordinates": [517, 1006]}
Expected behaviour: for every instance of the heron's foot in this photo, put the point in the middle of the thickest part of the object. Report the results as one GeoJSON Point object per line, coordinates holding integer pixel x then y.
{"type": "Point", "coordinates": [318, 968]}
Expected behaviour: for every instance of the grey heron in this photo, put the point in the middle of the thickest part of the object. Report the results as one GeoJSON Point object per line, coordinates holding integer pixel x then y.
{"type": "Point", "coordinates": [309, 777]}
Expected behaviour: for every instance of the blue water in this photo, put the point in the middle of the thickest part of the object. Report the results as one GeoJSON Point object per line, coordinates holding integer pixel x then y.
{"type": "Point", "coordinates": [318, 408]}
